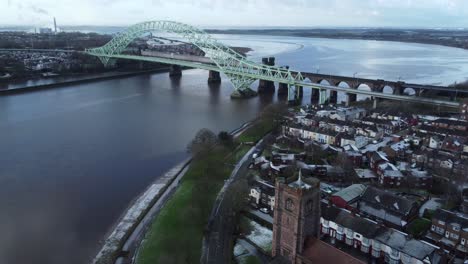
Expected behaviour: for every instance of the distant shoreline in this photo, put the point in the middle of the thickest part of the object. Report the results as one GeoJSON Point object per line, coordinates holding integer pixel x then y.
{"type": "Point", "coordinates": [454, 39]}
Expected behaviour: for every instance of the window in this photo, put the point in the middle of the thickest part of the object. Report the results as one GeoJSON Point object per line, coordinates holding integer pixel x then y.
{"type": "Point", "coordinates": [340, 229]}
{"type": "Point", "coordinates": [447, 234]}
{"type": "Point", "coordinates": [289, 204]}
{"type": "Point", "coordinates": [376, 252]}
{"type": "Point", "coordinates": [365, 248]}
{"type": "Point", "coordinates": [433, 227]}
{"type": "Point", "coordinates": [454, 236]}
{"type": "Point", "coordinates": [463, 241]}
{"type": "Point", "coordinates": [325, 229]}
{"type": "Point", "coordinates": [456, 227]}
{"type": "Point", "coordinates": [365, 241]}
{"type": "Point", "coordinates": [309, 205]}
{"type": "Point", "coordinates": [339, 236]}
{"type": "Point", "coordinates": [439, 230]}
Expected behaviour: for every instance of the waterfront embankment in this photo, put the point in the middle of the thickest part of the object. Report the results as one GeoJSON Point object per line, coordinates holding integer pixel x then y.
{"type": "Point", "coordinates": [80, 80]}
{"type": "Point", "coordinates": [112, 247]}
{"type": "Point", "coordinates": [124, 240]}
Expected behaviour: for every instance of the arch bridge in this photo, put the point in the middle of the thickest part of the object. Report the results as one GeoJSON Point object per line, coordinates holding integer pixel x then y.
{"type": "Point", "coordinates": [241, 71]}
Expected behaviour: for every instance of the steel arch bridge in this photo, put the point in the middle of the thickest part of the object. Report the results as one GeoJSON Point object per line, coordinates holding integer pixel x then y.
{"type": "Point", "coordinates": [241, 71]}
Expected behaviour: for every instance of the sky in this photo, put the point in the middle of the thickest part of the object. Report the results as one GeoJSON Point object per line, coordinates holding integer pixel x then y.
{"type": "Point", "coordinates": [240, 13]}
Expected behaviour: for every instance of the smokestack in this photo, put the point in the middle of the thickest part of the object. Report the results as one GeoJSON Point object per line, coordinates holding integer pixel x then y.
{"type": "Point", "coordinates": [55, 26]}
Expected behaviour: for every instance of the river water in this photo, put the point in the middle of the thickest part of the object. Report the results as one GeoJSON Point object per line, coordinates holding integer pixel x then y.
{"type": "Point", "coordinates": [73, 158]}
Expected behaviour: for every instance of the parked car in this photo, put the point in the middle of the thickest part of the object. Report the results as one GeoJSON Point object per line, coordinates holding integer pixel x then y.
{"type": "Point", "coordinates": [264, 210]}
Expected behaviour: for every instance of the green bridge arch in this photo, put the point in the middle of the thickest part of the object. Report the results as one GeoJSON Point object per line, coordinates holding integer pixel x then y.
{"type": "Point", "coordinates": [241, 71]}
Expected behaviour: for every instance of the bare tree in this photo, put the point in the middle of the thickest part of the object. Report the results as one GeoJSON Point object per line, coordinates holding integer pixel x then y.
{"type": "Point", "coordinates": [342, 160]}
{"type": "Point", "coordinates": [203, 142]}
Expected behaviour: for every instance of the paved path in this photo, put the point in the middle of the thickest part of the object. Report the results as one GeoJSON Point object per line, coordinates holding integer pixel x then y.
{"type": "Point", "coordinates": [217, 242]}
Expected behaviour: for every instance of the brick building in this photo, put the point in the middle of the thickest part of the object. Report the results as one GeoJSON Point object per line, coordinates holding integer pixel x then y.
{"type": "Point", "coordinates": [297, 216]}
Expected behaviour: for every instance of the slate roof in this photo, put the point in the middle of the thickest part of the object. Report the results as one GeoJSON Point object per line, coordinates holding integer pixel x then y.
{"type": "Point", "coordinates": [380, 199]}
{"type": "Point", "coordinates": [371, 230]}
{"type": "Point", "coordinates": [351, 193]}
{"type": "Point", "coordinates": [401, 242]}
{"type": "Point", "coordinates": [450, 217]}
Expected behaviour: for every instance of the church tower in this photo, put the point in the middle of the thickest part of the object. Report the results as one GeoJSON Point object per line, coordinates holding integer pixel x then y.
{"type": "Point", "coordinates": [296, 216]}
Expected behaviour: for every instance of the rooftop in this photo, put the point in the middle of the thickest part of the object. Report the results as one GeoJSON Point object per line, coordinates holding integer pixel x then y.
{"type": "Point", "coordinates": [319, 252]}
{"type": "Point", "coordinates": [351, 192]}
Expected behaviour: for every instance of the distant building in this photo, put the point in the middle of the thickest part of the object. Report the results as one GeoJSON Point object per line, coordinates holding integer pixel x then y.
{"type": "Point", "coordinates": [464, 110]}
{"type": "Point", "coordinates": [45, 30]}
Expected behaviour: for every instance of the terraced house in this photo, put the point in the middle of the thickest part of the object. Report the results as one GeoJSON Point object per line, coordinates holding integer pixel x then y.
{"type": "Point", "coordinates": [450, 230]}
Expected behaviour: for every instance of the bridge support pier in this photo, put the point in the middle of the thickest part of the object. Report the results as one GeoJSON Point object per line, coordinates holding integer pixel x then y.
{"type": "Point", "coordinates": [214, 77]}
{"type": "Point", "coordinates": [315, 96]}
{"type": "Point", "coordinates": [300, 92]}
{"type": "Point", "coordinates": [333, 97]}
{"type": "Point", "coordinates": [175, 71]}
{"type": "Point", "coordinates": [293, 95]}
{"type": "Point", "coordinates": [267, 86]}
{"type": "Point", "coordinates": [350, 98]}
{"type": "Point", "coordinates": [374, 103]}
{"type": "Point", "coordinates": [282, 89]}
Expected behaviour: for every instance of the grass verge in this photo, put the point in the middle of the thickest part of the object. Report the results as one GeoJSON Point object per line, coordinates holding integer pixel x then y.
{"type": "Point", "coordinates": [176, 234]}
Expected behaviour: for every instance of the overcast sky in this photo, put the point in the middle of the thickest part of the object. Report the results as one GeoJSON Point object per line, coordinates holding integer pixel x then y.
{"type": "Point", "coordinates": [206, 13]}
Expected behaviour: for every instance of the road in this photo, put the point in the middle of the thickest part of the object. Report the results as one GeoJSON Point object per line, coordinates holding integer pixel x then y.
{"type": "Point", "coordinates": [217, 242]}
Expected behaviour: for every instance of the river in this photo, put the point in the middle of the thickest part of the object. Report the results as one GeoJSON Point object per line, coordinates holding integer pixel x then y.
{"type": "Point", "coordinates": [73, 158]}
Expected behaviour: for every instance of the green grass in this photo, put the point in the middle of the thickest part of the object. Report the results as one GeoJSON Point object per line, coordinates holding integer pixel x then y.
{"type": "Point", "coordinates": [176, 234]}
{"type": "Point", "coordinates": [418, 226]}
{"type": "Point", "coordinates": [257, 131]}
{"type": "Point", "coordinates": [252, 260]}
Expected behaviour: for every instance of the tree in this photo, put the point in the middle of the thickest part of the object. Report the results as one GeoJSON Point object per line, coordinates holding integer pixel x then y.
{"type": "Point", "coordinates": [314, 153]}
{"type": "Point", "coordinates": [225, 138]}
{"type": "Point", "coordinates": [273, 113]}
{"type": "Point", "coordinates": [203, 142]}
{"type": "Point", "coordinates": [346, 164]}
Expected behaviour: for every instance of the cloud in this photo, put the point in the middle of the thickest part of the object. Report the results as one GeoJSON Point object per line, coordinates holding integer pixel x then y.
{"type": "Point", "coordinates": [38, 10]}
{"type": "Point", "coordinates": [442, 13]}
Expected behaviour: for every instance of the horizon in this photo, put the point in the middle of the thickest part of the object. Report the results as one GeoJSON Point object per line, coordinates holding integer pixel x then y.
{"type": "Point", "coordinates": [251, 27]}
{"type": "Point", "coordinates": [239, 13]}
